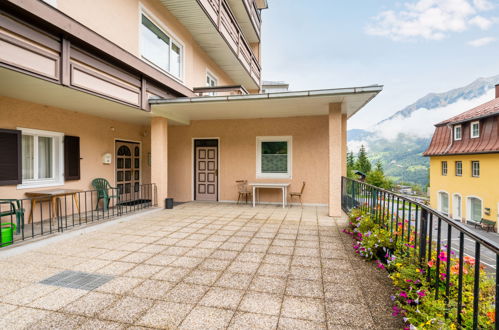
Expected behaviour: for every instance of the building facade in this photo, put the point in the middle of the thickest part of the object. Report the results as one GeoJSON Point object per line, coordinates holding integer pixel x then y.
{"type": "Point", "coordinates": [164, 92]}
{"type": "Point", "coordinates": [464, 158]}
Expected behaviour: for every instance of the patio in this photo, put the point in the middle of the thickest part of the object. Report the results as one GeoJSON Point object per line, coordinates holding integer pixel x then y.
{"type": "Point", "coordinates": [201, 265]}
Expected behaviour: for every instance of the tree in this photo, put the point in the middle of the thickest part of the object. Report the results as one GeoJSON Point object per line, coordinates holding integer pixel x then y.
{"type": "Point", "coordinates": [379, 167]}
{"type": "Point", "coordinates": [377, 178]}
{"type": "Point", "coordinates": [350, 160]}
{"type": "Point", "coordinates": [363, 164]}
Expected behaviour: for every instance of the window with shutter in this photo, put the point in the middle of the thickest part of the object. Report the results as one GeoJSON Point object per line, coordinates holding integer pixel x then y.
{"type": "Point", "coordinates": [10, 160]}
{"type": "Point", "coordinates": [71, 157]}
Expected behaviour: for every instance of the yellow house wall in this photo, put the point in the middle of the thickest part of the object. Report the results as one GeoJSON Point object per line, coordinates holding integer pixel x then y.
{"type": "Point", "coordinates": [486, 187]}
{"type": "Point", "coordinates": [119, 21]}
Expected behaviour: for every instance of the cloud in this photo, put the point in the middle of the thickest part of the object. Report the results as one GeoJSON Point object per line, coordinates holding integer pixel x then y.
{"type": "Point", "coordinates": [481, 41]}
{"type": "Point", "coordinates": [431, 19]}
{"type": "Point", "coordinates": [421, 122]}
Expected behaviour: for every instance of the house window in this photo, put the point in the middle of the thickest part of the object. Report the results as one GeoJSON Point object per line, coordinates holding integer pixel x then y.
{"type": "Point", "coordinates": [475, 129]}
{"type": "Point", "coordinates": [159, 48]}
{"type": "Point", "coordinates": [459, 168]}
{"type": "Point", "coordinates": [211, 81]}
{"type": "Point", "coordinates": [41, 158]}
{"type": "Point", "coordinates": [456, 205]}
{"type": "Point", "coordinates": [475, 169]}
{"type": "Point", "coordinates": [274, 157]}
{"type": "Point", "coordinates": [444, 168]}
{"type": "Point", "coordinates": [457, 132]}
{"type": "Point", "coordinates": [443, 205]}
{"type": "Point", "coordinates": [474, 208]}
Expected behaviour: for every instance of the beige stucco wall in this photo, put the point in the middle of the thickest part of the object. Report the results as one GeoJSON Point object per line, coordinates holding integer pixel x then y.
{"type": "Point", "coordinates": [96, 138]}
{"type": "Point", "coordinates": [119, 21]}
{"type": "Point", "coordinates": [238, 155]}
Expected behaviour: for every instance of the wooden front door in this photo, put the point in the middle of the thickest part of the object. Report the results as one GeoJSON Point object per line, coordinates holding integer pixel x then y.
{"type": "Point", "coordinates": [128, 169]}
{"type": "Point", "coordinates": [206, 170]}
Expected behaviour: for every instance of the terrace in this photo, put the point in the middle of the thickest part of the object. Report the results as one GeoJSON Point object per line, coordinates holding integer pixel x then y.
{"type": "Point", "coordinates": [200, 265]}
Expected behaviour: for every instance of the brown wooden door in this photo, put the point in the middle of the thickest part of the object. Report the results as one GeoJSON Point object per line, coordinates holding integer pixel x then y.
{"type": "Point", "coordinates": [206, 170]}
{"type": "Point", "coordinates": [128, 170]}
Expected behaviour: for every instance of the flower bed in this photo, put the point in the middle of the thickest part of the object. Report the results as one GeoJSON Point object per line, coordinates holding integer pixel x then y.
{"type": "Point", "coordinates": [417, 284]}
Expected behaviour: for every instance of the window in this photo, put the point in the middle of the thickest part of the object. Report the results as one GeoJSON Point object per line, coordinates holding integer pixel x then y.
{"type": "Point", "coordinates": [456, 206]}
{"type": "Point", "coordinates": [41, 158]}
{"type": "Point", "coordinates": [459, 168]}
{"type": "Point", "coordinates": [474, 208]}
{"type": "Point", "coordinates": [273, 157]}
{"type": "Point", "coordinates": [211, 81]}
{"type": "Point", "coordinates": [457, 132]}
{"type": "Point", "coordinates": [475, 129]}
{"type": "Point", "coordinates": [53, 3]}
{"type": "Point", "coordinates": [475, 169]}
{"type": "Point", "coordinates": [443, 202]}
{"type": "Point", "coordinates": [444, 168]}
{"type": "Point", "coordinates": [159, 48]}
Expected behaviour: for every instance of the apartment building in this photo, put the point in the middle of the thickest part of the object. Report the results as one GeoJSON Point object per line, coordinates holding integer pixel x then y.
{"type": "Point", "coordinates": [159, 91]}
{"type": "Point", "coordinates": [464, 160]}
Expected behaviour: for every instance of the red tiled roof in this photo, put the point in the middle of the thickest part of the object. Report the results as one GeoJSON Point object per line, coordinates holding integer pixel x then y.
{"type": "Point", "coordinates": [487, 109]}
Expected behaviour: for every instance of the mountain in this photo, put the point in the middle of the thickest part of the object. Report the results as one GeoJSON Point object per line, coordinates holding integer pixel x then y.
{"type": "Point", "coordinates": [399, 140]}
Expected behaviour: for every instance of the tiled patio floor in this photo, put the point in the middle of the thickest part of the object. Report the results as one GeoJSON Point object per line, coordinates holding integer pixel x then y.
{"type": "Point", "coordinates": [201, 266]}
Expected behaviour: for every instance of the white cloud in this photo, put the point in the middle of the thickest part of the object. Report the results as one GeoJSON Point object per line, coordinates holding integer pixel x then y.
{"type": "Point", "coordinates": [422, 121]}
{"type": "Point", "coordinates": [482, 41]}
{"type": "Point", "coordinates": [431, 19]}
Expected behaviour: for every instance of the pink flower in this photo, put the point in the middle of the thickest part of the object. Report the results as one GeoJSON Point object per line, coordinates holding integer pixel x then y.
{"type": "Point", "coordinates": [403, 294]}
{"type": "Point", "coordinates": [442, 256]}
{"type": "Point", "coordinates": [421, 293]}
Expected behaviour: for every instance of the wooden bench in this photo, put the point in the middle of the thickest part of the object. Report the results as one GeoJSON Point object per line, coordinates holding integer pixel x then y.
{"type": "Point", "coordinates": [483, 223]}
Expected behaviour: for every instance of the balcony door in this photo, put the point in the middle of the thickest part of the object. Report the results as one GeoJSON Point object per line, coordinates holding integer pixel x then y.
{"type": "Point", "coordinates": [206, 170]}
{"type": "Point", "coordinates": [128, 169]}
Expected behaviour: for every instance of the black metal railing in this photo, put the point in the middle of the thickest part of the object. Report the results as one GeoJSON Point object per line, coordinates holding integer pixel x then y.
{"type": "Point", "coordinates": [415, 223]}
{"type": "Point", "coordinates": [28, 218]}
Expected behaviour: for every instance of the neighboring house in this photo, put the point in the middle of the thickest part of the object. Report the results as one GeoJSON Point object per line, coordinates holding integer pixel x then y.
{"type": "Point", "coordinates": [274, 86]}
{"type": "Point", "coordinates": [113, 89]}
{"type": "Point", "coordinates": [464, 161]}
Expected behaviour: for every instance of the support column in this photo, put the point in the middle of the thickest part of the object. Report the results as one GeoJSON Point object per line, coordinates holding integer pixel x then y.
{"type": "Point", "coordinates": [159, 156]}
{"type": "Point", "coordinates": [344, 144]}
{"type": "Point", "coordinates": [336, 150]}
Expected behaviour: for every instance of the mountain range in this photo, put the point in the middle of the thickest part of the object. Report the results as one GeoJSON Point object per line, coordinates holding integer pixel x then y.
{"type": "Point", "coordinates": [400, 149]}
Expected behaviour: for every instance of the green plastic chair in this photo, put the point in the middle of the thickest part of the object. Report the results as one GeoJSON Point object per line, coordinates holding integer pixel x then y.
{"type": "Point", "coordinates": [14, 209]}
{"type": "Point", "coordinates": [102, 187]}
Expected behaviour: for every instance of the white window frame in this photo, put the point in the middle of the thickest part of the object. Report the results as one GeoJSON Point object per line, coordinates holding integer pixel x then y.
{"type": "Point", "coordinates": [456, 138]}
{"type": "Point", "coordinates": [455, 168]}
{"type": "Point", "coordinates": [444, 169]}
{"type": "Point", "coordinates": [455, 214]}
{"type": "Point", "coordinates": [473, 162]}
{"type": "Point", "coordinates": [468, 206]}
{"type": "Point", "coordinates": [440, 208]}
{"type": "Point", "coordinates": [259, 140]}
{"type": "Point", "coordinates": [173, 39]}
{"type": "Point", "coordinates": [471, 129]}
{"type": "Point", "coordinates": [214, 78]}
{"type": "Point", "coordinates": [57, 159]}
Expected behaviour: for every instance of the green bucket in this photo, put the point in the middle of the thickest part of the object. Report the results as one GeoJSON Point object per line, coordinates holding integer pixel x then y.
{"type": "Point", "coordinates": [7, 232]}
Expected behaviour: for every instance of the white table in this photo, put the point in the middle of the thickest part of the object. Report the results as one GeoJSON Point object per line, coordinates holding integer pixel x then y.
{"type": "Point", "coordinates": [268, 185]}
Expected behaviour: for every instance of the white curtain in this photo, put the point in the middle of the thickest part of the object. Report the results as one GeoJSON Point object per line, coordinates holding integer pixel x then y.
{"type": "Point", "coordinates": [44, 157]}
{"type": "Point", "coordinates": [28, 157]}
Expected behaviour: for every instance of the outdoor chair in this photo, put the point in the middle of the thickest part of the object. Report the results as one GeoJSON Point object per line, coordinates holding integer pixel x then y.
{"type": "Point", "coordinates": [244, 191]}
{"type": "Point", "coordinates": [102, 187]}
{"type": "Point", "coordinates": [297, 194]}
{"type": "Point", "coordinates": [12, 209]}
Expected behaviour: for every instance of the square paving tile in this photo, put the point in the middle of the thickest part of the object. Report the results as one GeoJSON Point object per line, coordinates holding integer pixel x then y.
{"type": "Point", "coordinates": [152, 289]}
{"type": "Point", "coordinates": [186, 293]}
{"type": "Point", "coordinates": [244, 320]}
{"type": "Point", "coordinates": [165, 315]}
{"type": "Point", "coordinates": [57, 299]}
{"type": "Point", "coordinates": [234, 281]}
{"type": "Point", "coordinates": [207, 318]}
{"type": "Point", "coordinates": [222, 298]}
{"type": "Point", "coordinates": [303, 308]}
{"type": "Point", "coordinates": [90, 304]}
{"type": "Point", "coordinates": [342, 313]}
{"type": "Point", "coordinates": [262, 303]}
{"type": "Point", "coordinates": [205, 277]}
{"type": "Point", "coordinates": [305, 288]}
{"type": "Point", "coordinates": [269, 284]}
{"type": "Point", "coordinates": [126, 310]}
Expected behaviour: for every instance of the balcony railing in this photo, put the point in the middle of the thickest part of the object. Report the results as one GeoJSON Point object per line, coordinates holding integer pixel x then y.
{"type": "Point", "coordinates": [416, 223]}
{"type": "Point", "coordinates": [221, 14]}
{"type": "Point", "coordinates": [23, 219]}
{"type": "Point", "coordinates": [220, 90]}
{"type": "Point", "coordinates": [254, 14]}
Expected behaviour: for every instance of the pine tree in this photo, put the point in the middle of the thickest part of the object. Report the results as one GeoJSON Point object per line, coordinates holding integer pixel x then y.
{"type": "Point", "coordinates": [363, 164]}
{"type": "Point", "coordinates": [350, 160]}
{"type": "Point", "coordinates": [379, 167]}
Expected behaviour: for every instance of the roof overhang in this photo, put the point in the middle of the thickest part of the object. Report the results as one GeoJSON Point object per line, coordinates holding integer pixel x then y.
{"type": "Point", "coordinates": [181, 111]}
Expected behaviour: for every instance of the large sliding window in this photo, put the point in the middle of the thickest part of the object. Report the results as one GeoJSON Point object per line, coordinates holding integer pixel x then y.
{"type": "Point", "coordinates": [159, 48]}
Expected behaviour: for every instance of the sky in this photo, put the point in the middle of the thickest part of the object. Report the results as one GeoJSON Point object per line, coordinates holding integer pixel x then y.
{"type": "Point", "coordinates": [412, 47]}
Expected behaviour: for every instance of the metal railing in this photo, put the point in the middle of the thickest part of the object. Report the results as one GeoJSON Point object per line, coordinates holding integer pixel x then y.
{"type": "Point", "coordinates": [414, 223]}
{"type": "Point", "coordinates": [28, 218]}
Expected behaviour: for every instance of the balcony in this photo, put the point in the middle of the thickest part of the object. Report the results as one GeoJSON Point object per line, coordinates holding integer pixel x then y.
{"type": "Point", "coordinates": [217, 31]}
{"type": "Point", "coordinates": [248, 16]}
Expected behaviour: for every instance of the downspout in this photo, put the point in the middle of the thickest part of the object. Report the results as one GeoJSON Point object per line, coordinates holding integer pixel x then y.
{"type": "Point", "coordinates": [451, 138]}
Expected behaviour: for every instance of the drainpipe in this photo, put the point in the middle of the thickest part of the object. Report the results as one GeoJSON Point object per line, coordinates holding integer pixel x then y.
{"type": "Point", "coordinates": [451, 138]}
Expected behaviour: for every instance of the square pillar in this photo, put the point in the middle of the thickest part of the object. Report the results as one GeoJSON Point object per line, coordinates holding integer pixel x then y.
{"type": "Point", "coordinates": [344, 144]}
{"type": "Point", "coordinates": [337, 157]}
{"type": "Point", "coordinates": [159, 156]}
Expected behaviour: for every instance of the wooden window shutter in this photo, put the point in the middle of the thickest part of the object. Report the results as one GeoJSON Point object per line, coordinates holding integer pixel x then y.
{"type": "Point", "coordinates": [71, 157]}
{"type": "Point", "coordinates": [10, 159]}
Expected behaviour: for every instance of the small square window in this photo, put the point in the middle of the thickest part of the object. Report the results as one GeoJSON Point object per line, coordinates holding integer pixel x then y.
{"type": "Point", "coordinates": [444, 168]}
{"type": "Point", "coordinates": [459, 168]}
{"type": "Point", "coordinates": [457, 132]}
{"type": "Point", "coordinates": [274, 157]}
{"type": "Point", "coordinates": [475, 129]}
{"type": "Point", "coordinates": [475, 169]}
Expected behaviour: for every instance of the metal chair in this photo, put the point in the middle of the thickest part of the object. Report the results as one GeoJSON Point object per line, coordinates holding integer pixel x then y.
{"type": "Point", "coordinates": [102, 187]}
{"type": "Point", "coordinates": [243, 190]}
{"type": "Point", "coordinates": [297, 194]}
